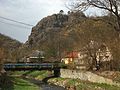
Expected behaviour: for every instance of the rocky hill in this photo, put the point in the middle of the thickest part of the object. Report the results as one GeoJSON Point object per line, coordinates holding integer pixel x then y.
{"type": "Point", "coordinates": [50, 32]}
{"type": "Point", "coordinates": [51, 25]}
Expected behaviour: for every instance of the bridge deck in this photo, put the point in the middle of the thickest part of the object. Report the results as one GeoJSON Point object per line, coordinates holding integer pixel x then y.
{"type": "Point", "coordinates": [31, 66]}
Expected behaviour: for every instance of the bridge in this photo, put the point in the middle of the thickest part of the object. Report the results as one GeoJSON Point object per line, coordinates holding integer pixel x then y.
{"type": "Point", "coordinates": [33, 66]}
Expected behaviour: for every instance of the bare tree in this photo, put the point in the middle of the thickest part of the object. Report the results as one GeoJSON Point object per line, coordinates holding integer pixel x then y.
{"type": "Point", "coordinates": [113, 6]}
{"type": "Point", "coordinates": [92, 49]}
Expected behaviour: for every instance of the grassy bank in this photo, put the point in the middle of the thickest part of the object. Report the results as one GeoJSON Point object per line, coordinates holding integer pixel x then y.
{"type": "Point", "coordinates": [67, 83]}
{"type": "Point", "coordinates": [21, 84]}
{"type": "Point", "coordinates": [16, 83]}
{"type": "Point", "coordinates": [82, 85]}
{"type": "Point", "coordinates": [33, 74]}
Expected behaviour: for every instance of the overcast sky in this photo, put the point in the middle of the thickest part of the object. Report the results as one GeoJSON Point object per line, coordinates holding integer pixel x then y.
{"type": "Point", "coordinates": [27, 11]}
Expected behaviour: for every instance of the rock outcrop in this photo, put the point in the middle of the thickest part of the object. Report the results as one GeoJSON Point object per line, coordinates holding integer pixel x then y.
{"type": "Point", "coordinates": [51, 25]}
{"type": "Point", "coordinates": [40, 32]}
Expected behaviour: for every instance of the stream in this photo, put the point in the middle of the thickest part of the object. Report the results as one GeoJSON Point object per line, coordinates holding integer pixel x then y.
{"type": "Point", "coordinates": [44, 85]}
{"type": "Point", "coordinates": [17, 82]}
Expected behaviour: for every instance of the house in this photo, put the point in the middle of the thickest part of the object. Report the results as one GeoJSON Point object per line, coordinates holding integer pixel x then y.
{"type": "Point", "coordinates": [36, 56]}
{"type": "Point", "coordinates": [83, 61]}
{"type": "Point", "coordinates": [75, 57]}
{"type": "Point", "coordinates": [70, 57]}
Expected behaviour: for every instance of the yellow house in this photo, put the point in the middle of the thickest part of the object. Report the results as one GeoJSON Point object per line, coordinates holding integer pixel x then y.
{"type": "Point", "coordinates": [70, 57]}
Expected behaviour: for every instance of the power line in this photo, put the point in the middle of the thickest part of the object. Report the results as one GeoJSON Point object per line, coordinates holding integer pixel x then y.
{"type": "Point", "coordinates": [15, 25]}
{"type": "Point", "coordinates": [16, 21]}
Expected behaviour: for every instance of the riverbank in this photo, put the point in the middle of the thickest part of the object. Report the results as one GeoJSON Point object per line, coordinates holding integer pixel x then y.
{"type": "Point", "coordinates": [16, 83]}
{"type": "Point", "coordinates": [22, 84]}
{"type": "Point", "coordinates": [85, 80]}
{"type": "Point", "coordinates": [69, 84]}
{"type": "Point", "coordinates": [31, 80]}
{"type": "Point", "coordinates": [76, 84]}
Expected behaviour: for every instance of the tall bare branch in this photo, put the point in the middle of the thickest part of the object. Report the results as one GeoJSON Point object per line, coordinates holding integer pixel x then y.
{"type": "Point", "coordinates": [113, 6]}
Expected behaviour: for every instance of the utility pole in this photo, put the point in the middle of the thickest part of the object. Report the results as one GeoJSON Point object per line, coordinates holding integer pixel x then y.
{"type": "Point", "coordinates": [59, 50]}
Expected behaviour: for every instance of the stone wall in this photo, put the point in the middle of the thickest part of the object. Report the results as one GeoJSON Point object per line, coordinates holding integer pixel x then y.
{"type": "Point", "coordinates": [86, 76]}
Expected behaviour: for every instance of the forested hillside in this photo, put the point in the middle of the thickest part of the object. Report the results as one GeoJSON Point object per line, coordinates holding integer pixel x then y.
{"type": "Point", "coordinates": [8, 48]}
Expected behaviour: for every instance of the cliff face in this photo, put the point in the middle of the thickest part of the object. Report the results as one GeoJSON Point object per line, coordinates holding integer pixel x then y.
{"type": "Point", "coordinates": [41, 31]}
{"type": "Point", "coordinates": [49, 27]}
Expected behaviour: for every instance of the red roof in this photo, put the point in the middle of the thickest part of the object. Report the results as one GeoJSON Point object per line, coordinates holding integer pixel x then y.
{"type": "Point", "coordinates": [73, 54]}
